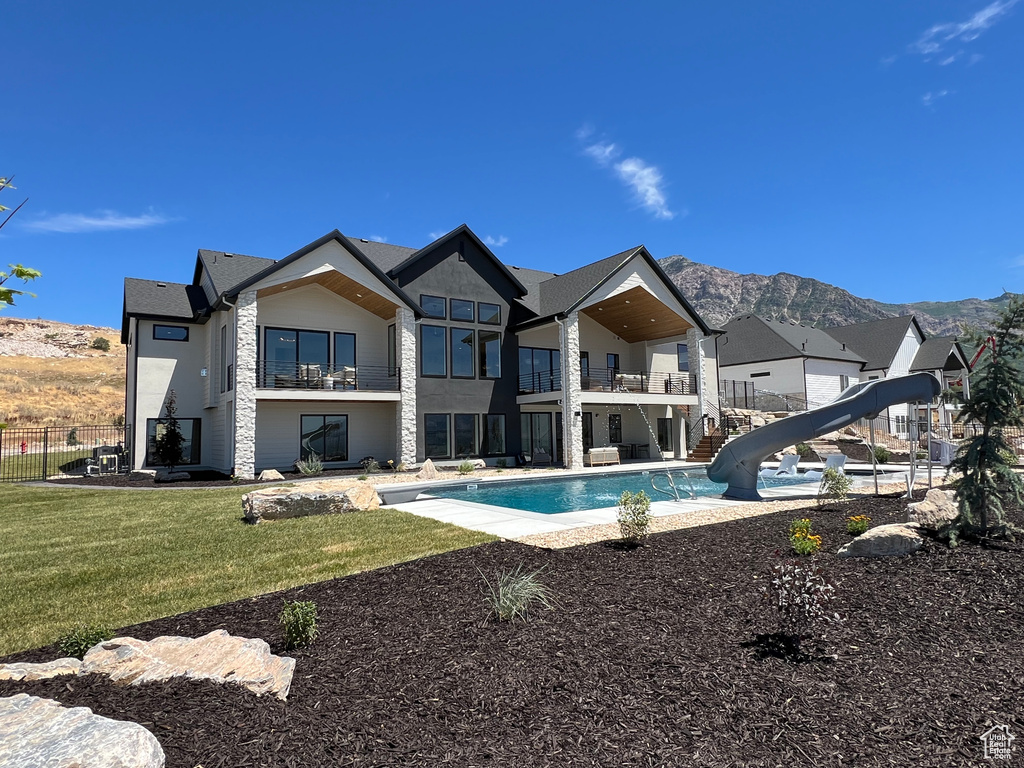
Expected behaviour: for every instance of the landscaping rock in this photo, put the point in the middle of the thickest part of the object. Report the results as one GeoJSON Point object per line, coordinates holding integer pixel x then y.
{"type": "Point", "coordinates": [936, 511]}
{"type": "Point", "coordinates": [26, 671]}
{"type": "Point", "coordinates": [270, 475]}
{"type": "Point", "coordinates": [313, 499]}
{"type": "Point", "coordinates": [885, 541]}
{"type": "Point", "coordinates": [856, 450]}
{"type": "Point", "coordinates": [218, 657]}
{"type": "Point", "coordinates": [427, 471]}
{"type": "Point", "coordinates": [164, 476]}
{"type": "Point", "coordinates": [41, 732]}
{"type": "Point", "coordinates": [142, 474]}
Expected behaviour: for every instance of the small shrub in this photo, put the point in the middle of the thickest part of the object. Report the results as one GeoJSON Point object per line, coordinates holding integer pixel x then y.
{"type": "Point", "coordinates": [882, 454]}
{"type": "Point", "coordinates": [634, 517]}
{"type": "Point", "coordinates": [835, 486]}
{"type": "Point", "coordinates": [310, 466]}
{"type": "Point", "coordinates": [802, 540]}
{"type": "Point", "coordinates": [515, 592]}
{"type": "Point", "coordinates": [501, 463]}
{"type": "Point", "coordinates": [401, 467]}
{"type": "Point", "coordinates": [298, 619]}
{"type": "Point", "coordinates": [72, 437]}
{"type": "Point", "coordinates": [801, 596]}
{"type": "Point", "coordinates": [51, 336]}
{"type": "Point", "coordinates": [857, 524]}
{"type": "Point", "coordinates": [466, 468]}
{"type": "Point", "coordinates": [803, 450]}
{"type": "Point", "coordinates": [363, 477]}
{"type": "Point", "coordinates": [101, 343]}
{"type": "Point", "coordinates": [370, 465]}
{"type": "Point", "coordinates": [79, 640]}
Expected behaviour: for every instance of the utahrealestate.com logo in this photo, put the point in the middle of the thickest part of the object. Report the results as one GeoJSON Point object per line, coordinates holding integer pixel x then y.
{"type": "Point", "coordinates": [998, 742]}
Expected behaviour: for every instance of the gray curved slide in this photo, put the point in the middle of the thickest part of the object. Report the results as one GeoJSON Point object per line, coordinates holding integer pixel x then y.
{"type": "Point", "coordinates": [738, 462]}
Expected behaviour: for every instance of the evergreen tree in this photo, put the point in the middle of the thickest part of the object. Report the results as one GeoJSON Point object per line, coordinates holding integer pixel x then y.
{"type": "Point", "coordinates": [170, 443]}
{"type": "Point", "coordinates": [986, 477]}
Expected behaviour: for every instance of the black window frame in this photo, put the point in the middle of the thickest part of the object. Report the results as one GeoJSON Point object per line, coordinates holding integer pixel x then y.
{"type": "Point", "coordinates": [665, 445]}
{"type": "Point", "coordinates": [760, 374]}
{"type": "Point", "coordinates": [584, 363]}
{"type": "Point", "coordinates": [451, 352]}
{"type": "Point", "coordinates": [482, 366]}
{"type": "Point", "coordinates": [333, 351]}
{"type": "Point", "coordinates": [448, 436]}
{"type": "Point", "coordinates": [614, 428]}
{"type": "Point", "coordinates": [422, 350]}
{"type": "Point", "coordinates": [613, 361]}
{"type": "Point", "coordinates": [683, 354]}
{"type": "Point", "coordinates": [175, 327]}
{"type": "Point", "coordinates": [485, 442]}
{"type": "Point", "coordinates": [451, 311]}
{"type": "Point", "coordinates": [444, 307]}
{"type": "Point", "coordinates": [392, 350]}
{"type": "Point", "coordinates": [480, 314]}
{"type": "Point", "coordinates": [324, 417]}
{"type": "Point", "coordinates": [195, 442]}
{"type": "Point", "coordinates": [475, 452]}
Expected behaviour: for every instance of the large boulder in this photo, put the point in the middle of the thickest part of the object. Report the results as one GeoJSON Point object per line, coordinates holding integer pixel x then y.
{"type": "Point", "coordinates": [427, 471]}
{"type": "Point", "coordinates": [936, 511]}
{"type": "Point", "coordinates": [25, 671]}
{"type": "Point", "coordinates": [884, 541]}
{"type": "Point", "coordinates": [41, 732]}
{"type": "Point", "coordinates": [302, 501]}
{"type": "Point", "coordinates": [270, 476]}
{"type": "Point", "coordinates": [167, 476]}
{"type": "Point", "coordinates": [218, 657]}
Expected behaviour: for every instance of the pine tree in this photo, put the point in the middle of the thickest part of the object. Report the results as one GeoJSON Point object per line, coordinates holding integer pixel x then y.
{"type": "Point", "coordinates": [170, 443]}
{"type": "Point", "coordinates": [987, 479]}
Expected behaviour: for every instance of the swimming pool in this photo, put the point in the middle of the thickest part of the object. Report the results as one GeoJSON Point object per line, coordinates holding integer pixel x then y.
{"type": "Point", "coordinates": [575, 494]}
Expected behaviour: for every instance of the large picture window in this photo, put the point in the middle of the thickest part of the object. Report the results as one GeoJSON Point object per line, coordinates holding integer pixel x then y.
{"type": "Point", "coordinates": [190, 433]}
{"type": "Point", "coordinates": [490, 354]}
{"type": "Point", "coordinates": [344, 350]}
{"type": "Point", "coordinates": [435, 436]}
{"type": "Point", "coordinates": [433, 350]}
{"type": "Point", "coordinates": [286, 349]}
{"type": "Point", "coordinates": [463, 354]}
{"type": "Point", "coordinates": [494, 435]}
{"type": "Point", "coordinates": [465, 435]}
{"type": "Point", "coordinates": [326, 436]}
{"type": "Point", "coordinates": [540, 370]}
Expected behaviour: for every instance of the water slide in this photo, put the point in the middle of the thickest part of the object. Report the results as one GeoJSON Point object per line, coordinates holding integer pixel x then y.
{"type": "Point", "coordinates": [738, 462]}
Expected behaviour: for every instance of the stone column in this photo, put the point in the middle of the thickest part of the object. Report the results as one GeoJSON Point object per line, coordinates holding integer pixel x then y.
{"type": "Point", "coordinates": [695, 353]}
{"type": "Point", "coordinates": [572, 403]}
{"type": "Point", "coordinates": [245, 386]}
{"type": "Point", "coordinates": [405, 357]}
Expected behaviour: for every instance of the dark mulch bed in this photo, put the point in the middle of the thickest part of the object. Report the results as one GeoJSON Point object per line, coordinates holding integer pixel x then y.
{"type": "Point", "coordinates": [198, 479]}
{"type": "Point", "coordinates": [646, 661]}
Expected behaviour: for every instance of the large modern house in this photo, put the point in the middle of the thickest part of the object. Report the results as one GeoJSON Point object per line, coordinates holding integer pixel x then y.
{"type": "Point", "coordinates": [350, 348]}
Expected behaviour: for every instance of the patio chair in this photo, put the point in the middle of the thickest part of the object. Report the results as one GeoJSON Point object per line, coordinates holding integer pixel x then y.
{"type": "Point", "coordinates": [835, 461]}
{"type": "Point", "coordinates": [786, 467]}
{"type": "Point", "coordinates": [541, 458]}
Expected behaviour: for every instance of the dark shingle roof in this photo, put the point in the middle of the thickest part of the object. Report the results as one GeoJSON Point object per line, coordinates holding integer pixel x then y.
{"type": "Point", "coordinates": [384, 255]}
{"type": "Point", "coordinates": [752, 339]}
{"type": "Point", "coordinates": [531, 280]}
{"type": "Point", "coordinates": [154, 298]}
{"type": "Point", "coordinates": [558, 294]}
{"type": "Point", "coordinates": [877, 341]}
{"type": "Point", "coordinates": [229, 269]}
{"type": "Point", "coordinates": [934, 353]}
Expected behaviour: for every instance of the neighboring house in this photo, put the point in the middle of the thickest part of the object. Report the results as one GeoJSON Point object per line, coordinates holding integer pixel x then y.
{"type": "Point", "coordinates": [351, 348]}
{"type": "Point", "coordinates": [814, 365]}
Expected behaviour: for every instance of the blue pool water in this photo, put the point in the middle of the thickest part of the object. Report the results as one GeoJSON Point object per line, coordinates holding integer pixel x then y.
{"type": "Point", "coordinates": [574, 494]}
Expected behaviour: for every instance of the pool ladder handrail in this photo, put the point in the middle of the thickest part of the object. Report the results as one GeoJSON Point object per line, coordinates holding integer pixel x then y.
{"type": "Point", "coordinates": [672, 485]}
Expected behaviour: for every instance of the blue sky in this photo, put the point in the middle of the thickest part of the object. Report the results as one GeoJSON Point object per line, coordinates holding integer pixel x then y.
{"type": "Point", "coordinates": [874, 145]}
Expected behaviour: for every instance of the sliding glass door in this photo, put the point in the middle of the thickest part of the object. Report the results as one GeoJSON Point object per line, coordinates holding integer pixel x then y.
{"type": "Point", "coordinates": [537, 434]}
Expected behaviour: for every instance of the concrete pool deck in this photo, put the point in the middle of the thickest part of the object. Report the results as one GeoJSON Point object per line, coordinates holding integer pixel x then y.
{"type": "Point", "coordinates": [535, 527]}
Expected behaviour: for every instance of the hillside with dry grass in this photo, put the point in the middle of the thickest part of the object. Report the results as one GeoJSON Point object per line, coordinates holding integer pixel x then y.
{"type": "Point", "coordinates": [50, 375]}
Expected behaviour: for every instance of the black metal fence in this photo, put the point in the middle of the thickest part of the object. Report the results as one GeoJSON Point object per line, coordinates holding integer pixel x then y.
{"type": "Point", "coordinates": [43, 453]}
{"type": "Point", "coordinates": [743, 394]}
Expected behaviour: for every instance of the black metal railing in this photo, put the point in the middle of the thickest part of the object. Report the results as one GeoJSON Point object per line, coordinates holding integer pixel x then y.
{"type": "Point", "coordinates": [743, 394]}
{"type": "Point", "coordinates": [39, 453]}
{"type": "Point", "coordinates": [612, 380]}
{"type": "Point", "coordinates": [272, 374]}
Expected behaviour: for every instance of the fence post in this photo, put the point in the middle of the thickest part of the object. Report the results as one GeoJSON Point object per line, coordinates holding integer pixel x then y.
{"type": "Point", "coordinates": [46, 450]}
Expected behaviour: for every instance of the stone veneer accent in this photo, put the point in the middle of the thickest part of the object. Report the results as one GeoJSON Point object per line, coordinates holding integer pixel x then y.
{"type": "Point", "coordinates": [405, 354]}
{"type": "Point", "coordinates": [695, 353]}
{"type": "Point", "coordinates": [572, 403]}
{"type": "Point", "coordinates": [245, 386]}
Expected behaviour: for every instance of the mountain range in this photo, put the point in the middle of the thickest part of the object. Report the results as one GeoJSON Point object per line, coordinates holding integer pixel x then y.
{"type": "Point", "coordinates": [720, 294]}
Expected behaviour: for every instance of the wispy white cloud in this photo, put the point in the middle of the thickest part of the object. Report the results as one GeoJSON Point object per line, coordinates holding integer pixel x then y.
{"type": "Point", "coordinates": [101, 221]}
{"type": "Point", "coordinates": [934, 39]}
{"type": "Point", "coordinates": [497, 242]}
{"type": "Point", "coordinates": [378, 238]}
{"type": "Point", "coordinates": [435, 235]}
{"type": "Point", "coordinates": [950, 59]}
{"type": "Point", "coordinates": [887, 61]}
{"type": "Point", "coordinates": [644, 179]}
{"type": "Point", "coordinates": [931, 97]}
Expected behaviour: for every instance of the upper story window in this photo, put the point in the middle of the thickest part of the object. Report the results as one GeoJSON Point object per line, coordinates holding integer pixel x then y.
{"type": "Point", "coordinates": [170, 332]}
{"type": "Point", "coordinates": [433, 350]}
{"type": "Point", "coordinates": [463, 365]}
{"type": "Point", "coordinates": [612, 358]}
{"type": "Point", "coordinates": [462, 310]}
{"type": "Point", "coordinates": [683, 357]}
{"type": "Point", "coordinates": [433, 306]}
{"type": "Point", "coordinates": [584, 363]}
{"type": "Point", "coordinates": [489, 314]}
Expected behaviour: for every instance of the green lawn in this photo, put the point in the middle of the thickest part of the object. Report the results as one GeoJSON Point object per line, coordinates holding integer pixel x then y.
{"type": "Point", "coordinates": [69, 557]}
{"type": "Point", "coordinates": [29, 466]}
